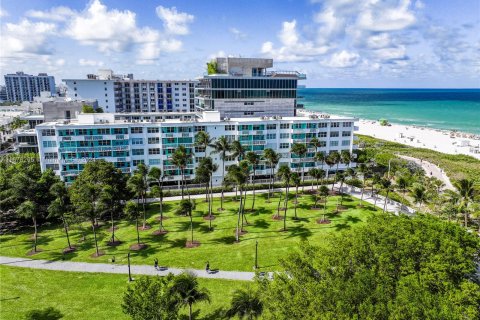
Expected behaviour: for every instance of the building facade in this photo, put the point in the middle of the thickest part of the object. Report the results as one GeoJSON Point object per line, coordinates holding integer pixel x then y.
{"type": "Point", "coordinates": [116, 93]}
{"type": "Point", "coordinates": [25, 87]}
{"type": "Point", "coordinates": [243, 87]}
{"type": "Point", "coordinates": [127, 141]}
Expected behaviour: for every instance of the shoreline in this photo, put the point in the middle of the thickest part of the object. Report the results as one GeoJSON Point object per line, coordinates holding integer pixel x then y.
{"type": "Point", "coordinates": [441, 140]}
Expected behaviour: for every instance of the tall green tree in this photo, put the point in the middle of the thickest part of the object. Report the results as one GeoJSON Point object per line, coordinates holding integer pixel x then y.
{"type": "Point", "coordinates": [330, 161]}
{"type": "Point", "coordinates": [300, 149]}
{"type": "Point", "coordinates": [245, 304]}
{"type": "Point", "coordinates": [132, 213]}
{"type": "Point", "coordinates": [387, 186]}
{"type": "Point", "coordinates": [238, 151]}
{"type": "Point", "coordinates": [238, 176]}
{"type": "Point", "coordinates": [295, 180]}
{"type": "Point", "coordinates": [467, 191]}
{"type": "Point", "coordinates": [138, 185]}
{"type": "Point", "coordinates": [156, 176]}
{"type": "Point", "coordinates": [27, 210]}
{"type": "Point", "coordinates": [203, 140]}
{"type": "Point", "coordinates": [181, 157]}
{"type": "Point", "coordinates": [189, 291]}
{"type": "Point", "coordinates": [336, 158]}
{"type": "Point", "coordinates": [222, 147]}
{"type": "Point", "coordinates": [323, 192]}
{"type": "Point", "coordinates": [418, 193]}
{"type": "Point", "coordinates": [186, 207]}
{"type": "Point", "coordinates": [346, 157]}
{"type": "Point", "coordinates": [273, 158]}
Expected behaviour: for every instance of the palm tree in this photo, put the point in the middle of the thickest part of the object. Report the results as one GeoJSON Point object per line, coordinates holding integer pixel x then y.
{"type": "Point", "coordinates": [295, 180]}
{"type": "Point", "coordinates": [273, 158]}
{"type": "Point", "coordinates": [466, 189]}
{"type": "Point", "coordinates": [131, 211]}
{"type": "Point", "coordinates": [402, 184]}
{"type": "Point", "coordinates": [336, 158]}
{"type": "Point", "coordinates": [155, 175]}
{"type": "Point", "coordinates": [339, 176]}
{"type": "Point", "coordinates": [187, 288]}
{"type": "Point", "coordinates": [323, 192]}
{"type": "Point", "coordinates": [375, 180]}
{"type": "Point", "coordinates": [387, 186]}
{"type": "Point", "coordinates": [185, 207]}
{"type": "Point", "coordinates": [27, 210]}
{"type": "Point", "coordinates": [204, 174]}
{"type": "Point", "coordinates": [203, 140]}
{"type": "Point", "coordinates": [108, 204]}
{"type": "Point", "coordinates": [253, 159]}
{"type": "Point", "coordinates": [222, 147]}
{"type": "Point", "coordinates": [238, 176]}
{"type": "Point", "coordinates": [313, 172]}
{"type": "Point", "coordinates": [181, 158]}
{"type": "Point", "coordinates": [418, 193]}
{"type": "Point", "coordinates": [300, 149]}
{"type": "Point", "coordinates": [238, 151]}
{"type": "Point", "coordinates": [60, 207]}
{"type": "Point", "coordinates": [285, 174]}
{"type": "Point", "coordinates": [245, 304]}
{"type": "Point", "coordinates": [320, 157]}
{"type": "Point", "coordinates": [314, 142]}
{"type": "Point", "coordinates": [139, 187]}
{"type": "Point", "coordinates": [346, 157]}
{"type": "Point", "coordinates": [330, 161]}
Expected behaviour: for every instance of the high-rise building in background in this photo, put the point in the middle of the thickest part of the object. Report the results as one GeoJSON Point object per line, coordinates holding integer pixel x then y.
{"type": "Point", "coordinates": [121, 93]}
{"type": "Point", "coordinates": [244, 87]}
{"type": "Point", "coordinates": [25, 87]}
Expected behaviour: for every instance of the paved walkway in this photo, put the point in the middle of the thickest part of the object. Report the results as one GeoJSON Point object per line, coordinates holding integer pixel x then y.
{"type": "Point", "coordinates": [431, 170]}
{"type": "Point", "coordinates": [119, 268]}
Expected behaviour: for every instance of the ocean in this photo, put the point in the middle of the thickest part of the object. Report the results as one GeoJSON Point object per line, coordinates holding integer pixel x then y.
{"type": "Point", "coordinates": [451, 109]}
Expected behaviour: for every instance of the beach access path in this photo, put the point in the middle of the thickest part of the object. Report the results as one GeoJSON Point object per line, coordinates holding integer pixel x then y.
{"type": "Point", "coordinates": [431, 170]}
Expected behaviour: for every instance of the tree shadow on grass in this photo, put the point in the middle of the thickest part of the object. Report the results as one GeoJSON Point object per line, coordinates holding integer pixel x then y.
{"type": "Point", "coordinates": [219, 313]}
{"type": "Point", "coordinates": [183, 226]}
{"type": "Point", "coordinates": [49, 313]}
{"type": "Point", "coordinates": [204, 228]}
{"type": "Point", "coordinates": [261, 210]}
{"type": "Point", "coordinates": [177, 243]}
{"type": "Point", "coordinates": [261, 223]}
{"type": "Point", "coordinates": [225, 240]}
{"type": "Point", "coordinates": [299, 231]}
{"type": "Point", "coordinates": [342, 226]}
{"type": "Point", "coordinates": [352, 219]}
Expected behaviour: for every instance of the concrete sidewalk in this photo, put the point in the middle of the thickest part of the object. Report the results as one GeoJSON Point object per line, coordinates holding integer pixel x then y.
{"type": "Point", "coordinates": [119, 268]}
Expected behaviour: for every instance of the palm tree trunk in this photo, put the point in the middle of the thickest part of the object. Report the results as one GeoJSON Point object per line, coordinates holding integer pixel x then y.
{"type": "Point", "coordinates": [466, 218]}
{"type": "Point", "coordinates": [113, 226]}
{"type": "Point", "coordinates": [190, 311]}
{"type": "Point", "coordinates": [303, 176]}
{"type": "Point", "coordinates": [270, 186]}
{"type": "Point", "coordinates": [35, 234]}
{"type": "Point", "coordinates": [286, 206]}
{"type": "Point", "coordinates": [210, 203]}
{"type": "Point", "coordinates": [182, 182]}
{"type": "Point", "coordinates": [66, 232]}
{"type": "Point", "coordinates": [237, 236]}
{"type": "Point", "coordinates": [363, 190]}
{"type": "Point", "coordinates": [191, 224]}
{"type": "Point", "coordinates": [278, 207]}
{"type": "Point", "coordinates": [223, 178]}
{"type": "Point", "coordinates": [144, 213]}
{"type": "Point", "coordinates": [296, 201]}
{"type": "Point", "coordinates": [253, 185]}
{"type": "Point", "coordinates": [324, 208]}
{"type": "Point", "coordinates": [95, 236]}
{"type": "Point", "coordinates": [138, 232]}
{"type": "Point", "coordinates": [385, 203]}
{"type": "Point", "coordinates": [341, 193]}
{"type": "Point", "coordinates": [243, 208]}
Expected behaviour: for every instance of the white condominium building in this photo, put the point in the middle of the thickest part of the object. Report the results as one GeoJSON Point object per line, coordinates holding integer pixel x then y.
{"type": "Point", "coordinates": [127, 140]}
{"type": "Point", "coordinates": [25, 87]}
{"type": "Point", "coordinates": [117, 93]}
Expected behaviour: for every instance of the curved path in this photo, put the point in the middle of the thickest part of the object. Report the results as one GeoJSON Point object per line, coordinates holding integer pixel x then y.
{"type": "Point", "coordinates": [431, 170]}
{"type": "Point", "coordinates": [119, 268]}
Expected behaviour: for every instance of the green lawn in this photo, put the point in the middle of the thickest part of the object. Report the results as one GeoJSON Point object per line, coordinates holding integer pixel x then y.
{"type": "Point", "coordinates": [86, 295]}
{"type": "Point", "coordinates": [218, 247]}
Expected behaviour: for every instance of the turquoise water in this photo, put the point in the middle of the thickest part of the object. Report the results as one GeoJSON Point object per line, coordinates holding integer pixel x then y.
{"type": "Point", "coordinates": [451, 109]}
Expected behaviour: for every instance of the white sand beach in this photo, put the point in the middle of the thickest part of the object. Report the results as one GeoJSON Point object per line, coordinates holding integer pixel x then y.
{"type": "Point", "coordinates": [439, 140]}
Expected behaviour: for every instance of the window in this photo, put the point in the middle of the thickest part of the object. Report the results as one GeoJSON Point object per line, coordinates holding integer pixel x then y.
{"type": "Point", "coordinates": [137, 141]}
{"type": "Point", "coordinates": [230, 127]}
{"type": "Point", "coordinates": [333, 143]}
{"type": "Point", "coordinates": [345, 143]}
{"type": "Point", "coordinates": [284, 145]}
{"type": "Point", "coordinates": [48, 132]}
{"type": "Point", "coordinates": [136, 130]}
{"type": "Point", "coordinates": [322, 125]}
{"type": "Point", "coordinates": [120, 130]}
{"type": "Point", "coordinates": [153, 162]}
{"type": "Point", "coordinates": [105, 153]}
{"type": "Point", "coordinates": [271, 126]}
{"type": "Point", "coordinates": [284, 125]}
{"type": "Point", "coordinates": [137, 152]}
{"type": "Point", "coordinates": [334, 134]}
{"type": "Point", "coordinates": [154, 151]}
{"type": "Point", "coordinates": [248, 113]}
{"type": "Point", "coordinates": [103, 131]}
{"type": "Point", "coordinates": [322, 134]}
{"type": "Point", "coordinates": [137, 162]}
{"type": "Point", "coordinates": [335, 124]}
{"type": "Point", "coordinates": [347, 124]}
{"type": "Point", "coordinates": [50, 155]}
{"type": "Point", "coordinates": [284, 135]}
{"type": "Point", "coordinates": [154, 140]}
{"type": "Point", "coordinates": [346, 133]}
{"type": "Point", "coordinates": [153, 130]}
{"type": "Point", "coordinates": [271, 136]}
{"type": "Point", "coordinates": [49, 144]}
{"type": "Point", "coordinates": [52, 166]}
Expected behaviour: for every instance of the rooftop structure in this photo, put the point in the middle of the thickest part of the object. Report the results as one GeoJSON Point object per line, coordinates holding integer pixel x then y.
{"type": "Point", "coordinates": [244, 87]}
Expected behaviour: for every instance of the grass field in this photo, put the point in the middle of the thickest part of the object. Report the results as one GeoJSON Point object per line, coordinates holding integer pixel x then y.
{"type": "Point", "coordinates": [86, 295]}
{"type": "Point", "coordinates": [218, 246]}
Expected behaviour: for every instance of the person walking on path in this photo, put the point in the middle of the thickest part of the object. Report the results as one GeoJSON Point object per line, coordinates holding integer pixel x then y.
{"type": "Point", "coordinates": [207, 267]}
{"type": "Point", "coordinates": [155, 263]}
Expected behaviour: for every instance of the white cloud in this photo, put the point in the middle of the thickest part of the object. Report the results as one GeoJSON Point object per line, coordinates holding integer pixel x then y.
{"type": "Point", "coordinates": [174, 22]}
{"type": "Point", "coordinates": [26, 39]}
{"type": "Point", "coordinates": [389, 54]}
{"type": "Point", "coordinates": [90, 63]}
{"type": "Point", "coordinates": [293, 48]}
{"type": "Point", "coordinates": [55, 14]}
{"type": "Point", "coordinates": [378, 16]}
{"type": "Point", "coordinates": [3, 12]}
{"type": "Point", "coordinates": [239, 35]}
{"type": "Point", "coordinates": [342, 59]}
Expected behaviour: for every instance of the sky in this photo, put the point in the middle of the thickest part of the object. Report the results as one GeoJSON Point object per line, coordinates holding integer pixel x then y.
{"type": "Point", "coordinates": [337, 43]}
